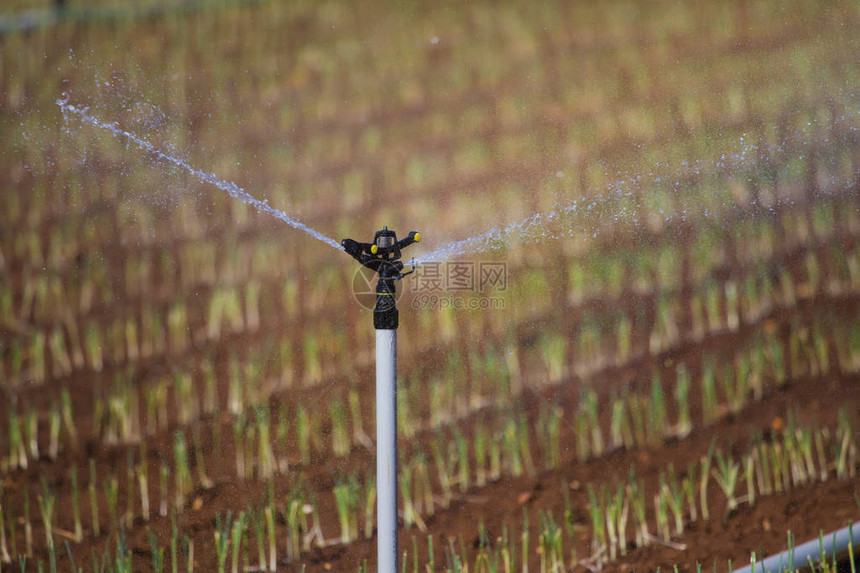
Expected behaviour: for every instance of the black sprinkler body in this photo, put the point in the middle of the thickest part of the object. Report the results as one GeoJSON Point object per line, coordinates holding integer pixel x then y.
{"type": "Point", "coordinates": [382, 256]}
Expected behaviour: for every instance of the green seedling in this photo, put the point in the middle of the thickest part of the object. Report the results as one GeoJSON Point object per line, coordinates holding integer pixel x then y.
{"type": "Point", "coordinates": [296, 520]}
{"type": "Point", "coordinates": [462, 460]}
{"type": "Point", "coordinates": [111, 492]}
{"type": "Point", "coordinates": [591, 408]}
{"type": "Point", "coordinates": [199, 459]}
{"type": "Point", "coordinates": [129, 508]}
{"type": "Point", "coordinates": [480, 444]}
{"type": "Point", "coordinates": [303, 433]}
{"type": "Point", "coordinates": [598, 519]}
{"type": "Point", "coordinates": [31, 428]}
{"type": "Point", "coordinates": [76, 505]}
{"type": "Point", "coordinates": [265, 455]}
{"type": "Point", "coordinates": [636, 495]}
{"type": "Point", "coordinates": [184, 483]}
{"type": "Point", "coordinates": [777, 360]}
{"type": "Point", "coordinates": [682, 395]}
{"type": "Point", "coordinates": [235, 398]}
{"type": "Point", "coordinates": [405, 481]}
{"type": "Point", "coordinates": [638, 407]}
{"type": "Point", "coordinates": [177, 328]}
{"type": "Point", "coordinates": [762, 467]}
{"type": "Point", "coordinates": [341, 443]}
{"type": "Point", "coordinates": [163, 477]}
{"type": "Point", "coordinates": [580, 429]}
{"type": "Point", "coordinates": [237, 535]}
{"type": "Point", "coordinates": [732, 305]}
{"type": "Point", "coordinates": [779, 477]}
{"type": "Point", "coordinates": [252, 306]}
{"type": "Point", "coordinates": [674, 495]}
{"type": "Point", "coordinates": [661, 510]}
{"type": "Point", "coordinates": [174, 543]}
{"type": "Point", "coordinates": [704, 476]}
{"type": "Point", "coordinates": [37, 355]}
{"type": "Point", "coordinates": [423, 488]}
{"type": "Point", "coordinates": [749, 474]}
{"type": "Point", "coordinates": [222, 540]}
{"type": "Point", "coordinates": [624, 338]}
{"type": "Point", "coordinates": [46, 508]}
{"type": "Point", "coordinates": [551, 544]}
{"type": "Point", "coordinates": [618, 509]}
{"type": "Point", "coordinates": [726, 475]}
{"type": "Point", "coordinates": [431, 555]}
{"type": "Point", "coordinates": [688, 484]}
{"type": "Point", "coordinates": [846, 449]}
{"type": "Point", "coordinates": [525, 540]}
{"type": "Point", "coordinates": [94, 502]}
{"type": "Point", "coordinates": [495, 460]}
{"type": "Point", "coordinates": [210, 388]}
{"type": "Point", "coordinates": [442, 470]}
{"type": "Point", "coordinates": [313, 366]}
{"type": "Point", "coordinates": [17, 451]}
{"type": "Point", "coordinates": [358, 434]}
{"type": "Point", "coordinates": [123, 562]}
{"type": "Point", "coordinates": [369, 505]}
{"type": "Point", "coordinates": [551, 428]}
{"type": "Point", "coordinates": [757, 369]}
{"type": "Point", "coordinates": [621, 432]}
{"type": "Point", "coordinates": [54, 422]}
{"type": "Point", "coordinates": [249, 445]}
{"type": "Point", "coordinates": [143, 482]}
{"type": "Point", "coordinates": [407, 422]}
{"type": "Point", "coordinates": [657, 418]}
{"type": "Point", "coordinates": [185, 397]}
{"type": "Point", "coordinates": [511, 445]}
{"type": "Point", "coordinates": [188, 550]}
{"type": "Point", "coordinates": [270, 529]}
{"type": "Point", "coordinates": [258, 522]}
{"type": "Point", "coordinates": [239, 433]}
{"type": "Point", "coordinates": [737, 384]}
{"type": "Point", "coordinates": [553, 349]}
{"type": "Point", "coordinates": [346, 491]}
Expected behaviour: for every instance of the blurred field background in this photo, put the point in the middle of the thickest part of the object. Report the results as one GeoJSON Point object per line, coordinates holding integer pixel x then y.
{"type": "Point", "coordinates": [183, 356]}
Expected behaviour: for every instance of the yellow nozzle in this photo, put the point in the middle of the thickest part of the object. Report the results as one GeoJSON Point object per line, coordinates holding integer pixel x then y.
{"type": "Point", "coordinates": [417, 237]}
{"type": "Point", "coordinates": [373, 249]}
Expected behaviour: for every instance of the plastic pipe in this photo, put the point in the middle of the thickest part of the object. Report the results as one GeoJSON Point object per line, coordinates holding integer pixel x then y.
{"type": "Point", "coordinates": [833, 544]}
{"type": "Point", "coordinates": [386, 449]}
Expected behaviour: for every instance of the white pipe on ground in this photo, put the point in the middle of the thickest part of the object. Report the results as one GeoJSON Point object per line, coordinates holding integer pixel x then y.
{"type": "Point", "coordinates": [799, 558]}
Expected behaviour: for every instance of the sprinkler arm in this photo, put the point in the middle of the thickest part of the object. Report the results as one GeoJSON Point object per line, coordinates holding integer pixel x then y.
{"type": "Point", "coordinates": [367, 252]}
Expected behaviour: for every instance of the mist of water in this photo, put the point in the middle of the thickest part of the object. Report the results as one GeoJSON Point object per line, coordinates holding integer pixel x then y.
{"type": "Point", "coordinates": [576, 217]}
{"type": "Point", "coordinates": [230, 188]}
{"type": "Point", "coordinates": [620, 205]}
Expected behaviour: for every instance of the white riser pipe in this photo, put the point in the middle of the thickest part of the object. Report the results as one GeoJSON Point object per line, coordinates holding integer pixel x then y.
{"type": "Point", "coordinates": [386, 449]}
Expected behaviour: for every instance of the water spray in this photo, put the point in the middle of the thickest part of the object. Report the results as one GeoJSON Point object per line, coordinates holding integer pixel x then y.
{"type": "Point", "coordinates": [230, 188]}
{"type": "Point", "coordinates": [382, 256]}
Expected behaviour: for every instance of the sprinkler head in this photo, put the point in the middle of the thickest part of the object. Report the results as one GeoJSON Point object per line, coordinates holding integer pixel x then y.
{"type": "Point", "coordinates": [384, 247]}
{"type": "Point", "coordinates": [382, 256]}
